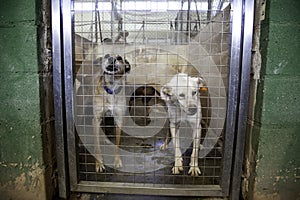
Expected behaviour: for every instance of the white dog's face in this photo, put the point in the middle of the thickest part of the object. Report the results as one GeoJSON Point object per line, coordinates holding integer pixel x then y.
{"type": "Point", "coordinates": [184, 90]}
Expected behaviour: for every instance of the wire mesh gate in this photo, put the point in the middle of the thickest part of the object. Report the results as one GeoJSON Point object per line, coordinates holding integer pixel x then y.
{"type": "Point", "coordinates": [150, 80]}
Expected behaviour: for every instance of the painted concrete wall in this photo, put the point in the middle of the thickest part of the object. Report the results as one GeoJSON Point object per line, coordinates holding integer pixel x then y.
{"type": "Point", "coordinates": [277, 112]}
{"type": "Point", "coordinates": [20, 131]}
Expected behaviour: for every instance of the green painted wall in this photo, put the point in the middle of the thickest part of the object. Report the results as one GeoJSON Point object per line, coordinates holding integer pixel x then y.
{"type": "Point", "coordinates": [277, 114]}
{"type": "Point", "coordinates": [20, 132]}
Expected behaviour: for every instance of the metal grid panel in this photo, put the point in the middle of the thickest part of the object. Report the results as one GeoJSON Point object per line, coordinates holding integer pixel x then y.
{"type": "Point", "coordinates": [159, 45]}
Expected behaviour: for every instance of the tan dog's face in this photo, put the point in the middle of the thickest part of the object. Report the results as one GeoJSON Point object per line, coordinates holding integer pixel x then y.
{"type": "Point", "coordinates": [184, 90]}
{"type": "Point", "coordinates": [115, 65]}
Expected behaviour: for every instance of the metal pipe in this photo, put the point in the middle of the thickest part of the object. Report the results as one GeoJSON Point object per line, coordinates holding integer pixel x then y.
{"type": "Point", "coordinates": [244, 96]}
{"type": "Point", "coordinates": [209, 2]}
{"type": "Point", "coordinates": [58, 99]}
{"type": "Point", "coordinates": [188, 21]}
{"type": "Point", "coordinates": [96, 28]}
{"type": "Point", "coordinates": [233, 91]}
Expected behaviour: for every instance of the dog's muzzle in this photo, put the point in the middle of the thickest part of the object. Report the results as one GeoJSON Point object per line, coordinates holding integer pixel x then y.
{"type": "Point", "coordinates": [192, 109]}
{"type": "Point", "coordinates": [113, 65]}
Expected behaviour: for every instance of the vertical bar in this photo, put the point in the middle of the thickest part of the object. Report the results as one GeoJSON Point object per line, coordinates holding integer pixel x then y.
{"type": "Point", "coordinates": [180, 26]}
{"type": "Point", "coordinates": [220, 5]}
{"type": "Point", "coordinates": [244, 98]}
{"type": "Point", "coordinates": [68, 80]}
{"type": "Point", "coordinates": [188, 33]}
{"type": "Point", "coordinates": [58, 98]}
{"type": "Point", "coordinates": [112, 20]}
{"type": "Point", "coordinates": [96, 25]}
{"type": "Point", "coordinates": [209, 10]}
{"type": "Point", "coordinates": [232, 93]}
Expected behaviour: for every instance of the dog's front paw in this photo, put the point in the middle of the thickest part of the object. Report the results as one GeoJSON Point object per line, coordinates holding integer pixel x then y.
{"type": "Point", "coordinates": [118, 162]}
{"type": "Point", "coordinates": [177, 170]}
{"type": "Point", "coordinates": [99, 166]}
{"type": "Point", "coordinates": [178, 167]}
{"type": "Point", "coordinates": [194, 171]}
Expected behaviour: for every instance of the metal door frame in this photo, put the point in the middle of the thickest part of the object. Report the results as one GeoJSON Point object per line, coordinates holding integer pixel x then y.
{"type": "Point", "coordinates": [242, 12]}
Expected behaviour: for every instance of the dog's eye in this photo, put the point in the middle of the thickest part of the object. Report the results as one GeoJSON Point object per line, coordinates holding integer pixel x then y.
{"type": "Point", "coordinates": [194, 93]}
{"type": "Point", "coordinates": [181, 95]}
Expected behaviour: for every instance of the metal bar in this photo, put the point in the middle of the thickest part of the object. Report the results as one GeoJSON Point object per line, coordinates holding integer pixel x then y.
{"type": "Point", "coordinates": [220, 5]}
{"type": "Point", "coordinates": [112, 19]}
{"type": "Point", "coordinates": [188, 21]}
{"type": "Point", "coordinates": [96, 27]}
{"type": "Point", "coordinates": [244, 98]}
{"type": "Point", "coordinates": [233, 90]}
{"type": "Point", "coordinates": [198, 15]}
{"type": "Point", "coordinates": [180, 24]}
{"type": "Point", "coordinates": [149, 189]}
{"type": "Point", "coordinates": [68, 81]}
{"type": "Point", "coordinates": [58, 98]}
{"type": "Point", "coordinates": [120, 20]}
{"type": "Point", "coordinates": [209, 10]}
{"type": "Point", "coordinates": [99, 24]}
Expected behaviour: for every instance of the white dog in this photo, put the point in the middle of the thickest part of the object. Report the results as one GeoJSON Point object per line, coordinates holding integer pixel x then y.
{"type": "Point", "coordinates": [110, 96]}
{"type": "Point", "coordinates": [182, 97]}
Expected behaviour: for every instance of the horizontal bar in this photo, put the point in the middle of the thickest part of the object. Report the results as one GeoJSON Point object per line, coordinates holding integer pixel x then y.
{"type": "Point", "coordinates": [149, 189]}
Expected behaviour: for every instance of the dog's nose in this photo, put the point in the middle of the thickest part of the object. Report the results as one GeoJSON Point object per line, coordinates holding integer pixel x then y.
{"type": "Point", "coordinates": [192, 109]}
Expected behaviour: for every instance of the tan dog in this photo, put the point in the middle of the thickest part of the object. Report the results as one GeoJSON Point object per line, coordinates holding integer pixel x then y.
{"type": "Point", "coordinates": [110, 96]}
{"type": "Point", "coordinates": [182, 97]}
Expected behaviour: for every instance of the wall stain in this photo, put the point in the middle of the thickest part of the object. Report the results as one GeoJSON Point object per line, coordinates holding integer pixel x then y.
{"type": "Point", "coordinates": [280, 67]}
{"type": "Point", "coordinates": [261, 196]}
{"type": "Point", "coordinates": [28, 186]}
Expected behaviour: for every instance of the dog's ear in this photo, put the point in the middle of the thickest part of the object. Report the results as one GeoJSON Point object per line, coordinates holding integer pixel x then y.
{"type": "Point", "coordinates": [166, 93]}
{"type": "Point", "coordinates": [202, 86]}
{"type": "Point", "coordinates": [199, 81]}
{"type": "Point", "coordinates": [127, 66]}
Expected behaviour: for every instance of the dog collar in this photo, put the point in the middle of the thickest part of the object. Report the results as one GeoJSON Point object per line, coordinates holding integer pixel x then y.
{"type": "Point", "coordinates": [112, 91]}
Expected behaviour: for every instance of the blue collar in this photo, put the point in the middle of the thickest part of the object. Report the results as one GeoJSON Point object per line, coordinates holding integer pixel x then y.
{"type": "Point", "coordinates": [110, 91]}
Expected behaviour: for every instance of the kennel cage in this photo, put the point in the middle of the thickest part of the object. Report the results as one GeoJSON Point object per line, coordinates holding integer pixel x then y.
{"type": "Point", "coordinates": [159, 39]}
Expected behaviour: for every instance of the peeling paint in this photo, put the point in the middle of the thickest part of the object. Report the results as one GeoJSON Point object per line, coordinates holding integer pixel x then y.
{"type": "Point", "coordinates": [27, 186]}
{"type": "Point", "coordinates": [280, 67]}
